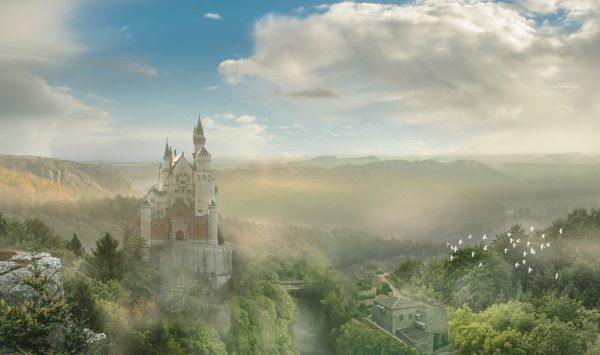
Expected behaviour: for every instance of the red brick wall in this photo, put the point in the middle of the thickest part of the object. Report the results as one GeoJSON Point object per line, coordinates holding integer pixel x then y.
{"type": "Point", "coordinates": [158, 229]}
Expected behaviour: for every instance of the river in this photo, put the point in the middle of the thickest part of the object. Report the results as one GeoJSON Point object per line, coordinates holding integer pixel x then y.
{"type": "Point", "coordinates": [310, 329]}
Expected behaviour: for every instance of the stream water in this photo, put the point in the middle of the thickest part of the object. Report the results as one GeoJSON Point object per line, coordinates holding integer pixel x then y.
{"type": "Point", "coordinates": [310, 329]}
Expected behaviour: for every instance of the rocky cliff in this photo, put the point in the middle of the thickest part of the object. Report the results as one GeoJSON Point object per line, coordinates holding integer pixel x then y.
{"type": "Point", "coordinates": [19, 295]}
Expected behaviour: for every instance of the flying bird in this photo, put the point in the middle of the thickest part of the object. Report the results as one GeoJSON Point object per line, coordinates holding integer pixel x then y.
{"type": "Point", "coordinates": [541, 246]}
{"type": "Point", "coordinates": [514, 245]}
{"type": "Point", "coordinates": [484, 237]}
{"type": "Point", "coordinates": [447, 245]}
{"type": "Point", "coordinates": [524, 254]}
{"type": "Point", "coordinates": [529, 270]}
{"type": "Point", "coordinates": [528, 243]}
{"type": "Point", "coordinates": [472, 254]}
{"type": "Point", "coordinates": [547, 245]}
{"type": "Point", "coordinates": [560, 231]}
{"type": "Point", "coordinates": [532, 251]}
{"type": "Point", "coordinates": [452, 257]}
{"type": "Point", "coordinates": [516, 265]}
{"type": "Point", "coordinates": [509, 234]}
{"type": "Point", "coordinates": [480, 264]}
{"type": "Point", "coordinates": [485, 247]}
{"type": "Point", "coordinates": [470, 236]}
{"type": "Point", "coordinates": [543, 236]}
{"type": "Point", "coordinates": [532, 229]}
{"type": "Point", "coordinates": [505, 250]}
{"type": "Point", "coordinates": [524, 261]}
{"type": "Point", "coordinates": [460, 242]}
{"type": "Point", "coordinates": [518, 240]}
{"type": "Point", "coordinates": [556, 276]}
{"type": "Point", "coordinates": [511, 240]}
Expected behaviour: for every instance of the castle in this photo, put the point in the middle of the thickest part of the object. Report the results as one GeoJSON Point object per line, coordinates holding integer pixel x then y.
{"type": "Point", "coordinates": [180, 213]}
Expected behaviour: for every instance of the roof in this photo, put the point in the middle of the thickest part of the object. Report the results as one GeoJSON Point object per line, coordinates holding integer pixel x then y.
{"type": "Point", "coordinates": [156, 191]}
{"type": "Point", "coordinates": [414, 333]}
{"type": "Point", "coordinates": [198, 130]}
{"type": "Point", "coordinates": [395, 302]}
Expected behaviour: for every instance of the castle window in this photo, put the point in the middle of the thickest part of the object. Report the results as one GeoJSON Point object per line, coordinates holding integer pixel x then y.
{"type": "Point", "coordinates": [410, 316]}
{"type": "Point", "coordinates": [401, 317]}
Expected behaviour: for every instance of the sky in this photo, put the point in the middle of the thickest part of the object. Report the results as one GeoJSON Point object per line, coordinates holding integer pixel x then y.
{"type": "Point", "coordinates": [111, 80]}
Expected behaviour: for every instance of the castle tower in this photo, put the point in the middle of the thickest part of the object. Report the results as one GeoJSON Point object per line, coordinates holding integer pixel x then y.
{"type": "Point", "coordinates": [204, 179]}
{"type": "Point", "coordinates": [166, 165]}
{"type": "Point", "coordinates": [213, 222]}
{"type": "Point", "coordinates": [199, 138]}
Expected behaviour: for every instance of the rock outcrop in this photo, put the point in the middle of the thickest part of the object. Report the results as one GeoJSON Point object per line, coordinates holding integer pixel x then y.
{"type": "Point", "coordinates": [16, 267]}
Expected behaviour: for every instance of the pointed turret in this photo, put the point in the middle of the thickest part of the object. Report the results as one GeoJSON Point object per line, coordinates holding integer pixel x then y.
{"type": "Point", "coordinates": [168, 152]}
{"type": "Point", "coordinates": [199, 138]}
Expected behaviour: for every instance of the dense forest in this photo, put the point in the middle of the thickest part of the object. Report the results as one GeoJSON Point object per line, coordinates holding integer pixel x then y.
{"type": "Point", "coordinates": [495, 308]}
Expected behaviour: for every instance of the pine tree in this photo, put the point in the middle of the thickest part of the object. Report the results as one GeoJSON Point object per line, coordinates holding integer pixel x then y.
{"type": "Point", "coordinates": [139, 277]}
{"type": "Point", "coordinates": [74, 245]}
{"type": "Point", "coordinates": [106, 262]}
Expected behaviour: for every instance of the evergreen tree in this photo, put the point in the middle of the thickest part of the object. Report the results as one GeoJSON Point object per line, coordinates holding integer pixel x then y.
{"type": "Point", "coordinates": [106, 262]}
{"type": "Point", "coordinates": [139, 277]}
{"type": "Point", "coordinates": [74, 245]}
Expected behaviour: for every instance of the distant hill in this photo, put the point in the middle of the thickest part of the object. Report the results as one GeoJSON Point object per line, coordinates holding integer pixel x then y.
{"type": "Point", "coordinates": [330, 161]}
{"type": "Point", "coordinates": [28, 179]}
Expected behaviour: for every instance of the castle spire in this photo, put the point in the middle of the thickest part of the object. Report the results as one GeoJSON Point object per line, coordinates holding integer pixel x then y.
{"type": "Point", "coordinates": [167, 150]}
{"type": "Point", "coordinates": [198, 130]}
{"type": "Point", "coordinates": [199, 139]}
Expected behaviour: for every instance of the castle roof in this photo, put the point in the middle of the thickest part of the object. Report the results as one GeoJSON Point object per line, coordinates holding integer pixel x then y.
{"type": "Point", "coordinates": [156, 191]}
{"type": "Point", "coordinates": [168, 152]}
{"type": "Point", "coordinates": [198, 130]}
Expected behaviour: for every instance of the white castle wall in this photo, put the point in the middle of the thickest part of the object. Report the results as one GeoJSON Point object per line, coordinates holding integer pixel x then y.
{"type": "Point", "coordinates": [213, 261]}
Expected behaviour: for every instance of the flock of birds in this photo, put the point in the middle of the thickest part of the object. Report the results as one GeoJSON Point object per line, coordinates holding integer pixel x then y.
{"type": "Point", "coordinates": [529, 248]}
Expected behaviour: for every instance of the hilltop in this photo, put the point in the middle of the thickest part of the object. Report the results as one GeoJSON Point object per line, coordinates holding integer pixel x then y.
{"type": "Point", "coordinates": [30, 179]}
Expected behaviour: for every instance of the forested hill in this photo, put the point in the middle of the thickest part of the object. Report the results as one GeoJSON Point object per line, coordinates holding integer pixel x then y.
{"type": "Point", "coordinates": [36, 179]}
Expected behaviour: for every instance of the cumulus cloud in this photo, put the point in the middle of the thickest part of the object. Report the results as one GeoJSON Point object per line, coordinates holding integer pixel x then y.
{"type": "Point", "coordinates": [212, 16]}
{"type": "Point", "coordinates": [36, 117]}
{"type": "Point", "coordinates": [482, 70]}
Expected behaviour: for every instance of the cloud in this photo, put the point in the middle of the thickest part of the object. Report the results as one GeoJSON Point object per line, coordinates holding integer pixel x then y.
{"type": "Point", "coordinates": [35, 116]}
{"type": "Point", "coordinates": [212, 16]}
{"type": "Point", "coordinates": [475, 69]}
{"type": "Point", "coordinates": [211, 87]}
{"type": "Point", "coordinates": [137, 68]}
{"type": "Point", "coordinates": [317, 93]}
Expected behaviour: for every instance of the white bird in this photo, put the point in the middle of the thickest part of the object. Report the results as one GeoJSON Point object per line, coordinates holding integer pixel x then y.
{"type": "Point", "coordinates": [528, 243]}
{"type": "Point", "coordinates": [460, 242]}
{"type": "Point", "coordinates": [485, 247]}
{"type": "Point", "coordinates": [547, 245]}
{"type": "Point", "coordinates": [517, 265]}
{"type": "Point", "coordinates": [532, 229]}
{"type": "Point", "coordinates": [541, 246]}
{"type": "Point", "coordinates": [524, 261]}
{"type": "Point", "coordinates": [480, 264]}
{"type": "Point", "coordinates": [452, 257]}
{"type": "Point", "coordinates": [556, 276]}
{"type": "Point", "coordinates": [472, 254]}
{"type": "Point", "coordinates": [470, 236]}
{"type": "Point", "coordinates": [524, 254]}
{"type": "Point", "coordinates": [529, 270]}
{"type": "Point", "coordinates": [447, 245]}
{"type": "Point", "coordinates": [514, 245]}
{"type": "Point", "coordinates": [543, 236]}
{"type": "Point", "coordinates": [505, 250]}
{"type": "Point", "coordinates": [484, 237]}
{"type": "Point", "coordinates": [518, 240]}
{"type": "Point", "coordinates": [511, 240]}
{"type": "Point", "coordinates": [560, 231]}
{"type": "Point", "coordinates": [532, 251]}
{"type": "Point", "coordinates": [509, 234]}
